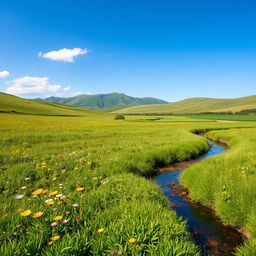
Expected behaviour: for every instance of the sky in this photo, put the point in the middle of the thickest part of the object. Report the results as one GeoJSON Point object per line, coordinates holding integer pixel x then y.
{"type": "Point", "coordinates": [168, 49]}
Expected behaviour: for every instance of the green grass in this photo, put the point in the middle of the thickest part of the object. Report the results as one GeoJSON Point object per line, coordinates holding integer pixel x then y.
{"type": "Point", "coordinates": [225, 117]}
{"type": "Point", "coordinates": [109, 159]}
{"type": "Point", "coordinates": [194, 105]}
{"type": "Point", "coordinates": [228, 182]}
{"type": "Point", "coordinates": [10, 103]}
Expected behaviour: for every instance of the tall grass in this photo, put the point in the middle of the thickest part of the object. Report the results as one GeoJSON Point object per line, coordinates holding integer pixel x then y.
{"type": "Point", "coordinates": [96, 166]}
{"type": "Point", "coordinates": [228, 182]}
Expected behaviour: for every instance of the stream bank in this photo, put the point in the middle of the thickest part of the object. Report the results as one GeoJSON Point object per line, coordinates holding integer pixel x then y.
{"type": "Point", "coordinates": [209, 233]}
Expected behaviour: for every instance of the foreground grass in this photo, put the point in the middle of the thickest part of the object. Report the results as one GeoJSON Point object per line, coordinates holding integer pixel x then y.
{"type": "Point", "coordinates": [81, 178]}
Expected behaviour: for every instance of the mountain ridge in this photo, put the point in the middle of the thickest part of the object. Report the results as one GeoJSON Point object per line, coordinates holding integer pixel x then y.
{"type": "Point", "coordinates": [105, 101]}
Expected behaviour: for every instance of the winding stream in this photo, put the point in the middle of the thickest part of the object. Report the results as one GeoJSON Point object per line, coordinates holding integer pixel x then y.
{"type": "Point", "coordinates": [209, 233]}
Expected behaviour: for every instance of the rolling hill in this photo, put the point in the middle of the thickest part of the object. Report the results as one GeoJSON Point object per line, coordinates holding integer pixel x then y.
{"type": "Point", "coordinates": [194, 105]}
{"type": "Point", "coordinates": [13, 104]}
{"type": "Point", "coordinates": [105, 101]}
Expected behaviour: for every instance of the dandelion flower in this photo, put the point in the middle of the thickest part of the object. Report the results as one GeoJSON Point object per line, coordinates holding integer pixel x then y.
{"type": "Point", "coordinates": [100, 230]}
{"type": "Point", "coordinates": [38, 192]}
{"type": "Point", "coordinates": [53, 193]}
{"type": "Point", "coordinates": [80, 189]}
{"type": "Point", "coordinates": [55, 238]}
{"type": "Point", "coordinates": [25, 213]}
{"type": "Point", "coordinates": [132, 240]}
{"type": "Point", "coordinates": [57, 218]}
{"type": "Point", "coordinates": [50, 243]}
{"type": "Point", "coordinates": [38, 215]}
{"type": "Point", "coordinates": [44, 191]}
{"type": "Point", "coordinates": [62, 197]}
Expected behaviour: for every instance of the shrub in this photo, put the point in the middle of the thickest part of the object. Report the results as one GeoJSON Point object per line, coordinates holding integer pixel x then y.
{"type": "Point", "coordinates": [119, 117]}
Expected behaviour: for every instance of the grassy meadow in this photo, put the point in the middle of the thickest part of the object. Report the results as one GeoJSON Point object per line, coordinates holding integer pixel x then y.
{"type": "Point", "coordinates": [194, 105]}
{"type": "Point", "coordinates": [78, 185]}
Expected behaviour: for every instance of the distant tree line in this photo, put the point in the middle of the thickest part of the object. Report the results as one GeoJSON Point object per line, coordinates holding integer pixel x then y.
{"type": "Point", "coordinates": [242, 112]}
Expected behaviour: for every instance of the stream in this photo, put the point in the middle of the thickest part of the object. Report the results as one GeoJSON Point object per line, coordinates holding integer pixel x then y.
{"type": "Point", "coordinates": [208, 232]}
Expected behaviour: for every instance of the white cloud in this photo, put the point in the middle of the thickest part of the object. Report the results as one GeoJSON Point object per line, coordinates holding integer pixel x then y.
{"type": "Point", "coordinates": [4, 74]}
{"type": "Point", "coordinates": [32, 86]}
{"type": "Point", "coordinates": [66, 55]}
{"type": "Point", "coordinates": [66, 88]}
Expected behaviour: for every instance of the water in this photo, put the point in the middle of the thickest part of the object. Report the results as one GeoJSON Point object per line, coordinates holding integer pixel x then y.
{"type": "Point", "coordinates": [209, 233]}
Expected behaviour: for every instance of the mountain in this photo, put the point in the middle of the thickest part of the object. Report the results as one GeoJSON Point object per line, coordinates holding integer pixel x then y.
{"type": "Point", "coordinates": [105, 101]}
{"type": "Point", "coordinates": [195, 105]}
{"type": "Point", "coordinates": [13, 104]}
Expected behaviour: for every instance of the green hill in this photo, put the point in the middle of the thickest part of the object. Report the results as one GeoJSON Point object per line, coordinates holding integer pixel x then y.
{"type": "Point", "coordinates": [13, 104]}
{"type": "Point", "coordinates": [195, 105]}
{"type": "Point", "coordinates": [105, 101]}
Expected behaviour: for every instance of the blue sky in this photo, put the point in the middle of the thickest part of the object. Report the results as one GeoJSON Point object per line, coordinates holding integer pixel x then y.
{"type": "Point", "coordinates": [166, 49]}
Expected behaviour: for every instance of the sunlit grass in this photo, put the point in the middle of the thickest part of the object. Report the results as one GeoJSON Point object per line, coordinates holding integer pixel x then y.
{"type": "Point", "coordinates": [75, 186]}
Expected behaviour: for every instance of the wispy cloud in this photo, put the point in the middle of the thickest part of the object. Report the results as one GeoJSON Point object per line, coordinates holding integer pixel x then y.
{"type": "Point", "coordinates": [4, 74]}
{"type": "Point", "coordinates": [66, 88]}
{"type": "Point", "coordinates": [66, 55]}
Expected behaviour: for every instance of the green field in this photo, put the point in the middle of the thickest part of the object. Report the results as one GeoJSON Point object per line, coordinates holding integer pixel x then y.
{"type": "Point", "coordinates": [194, 105]}
{"type": "Point", "coordinates": [79, 185]}
{"type": "Point", "coordinates": [225, 117]}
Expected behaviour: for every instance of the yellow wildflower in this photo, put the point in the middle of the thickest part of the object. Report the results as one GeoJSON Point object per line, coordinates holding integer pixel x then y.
{"type": "Point", "coordinates": [132, 240]}
{"type": "Point", "coordinates": [55, 238]}
{"type": "Point", "coordinates": [38, 215]}
{"type": "Point", "coordinates": [80, 189]}
{"type": "Point", "coordinates": [100, 230]}
{"type": "Point", "coordinates": [25, 213]}
{"type": "Point", "coordinates": [50, 243]}
{"type": "Point", "coordinates": [53, 193]}
{"type": "Point", "coordinates": [45, 191]}
{"type": "Point", "coordinates": [58, 218]}
{"type": "Point", "coordinates": [50, 203]}
{"type": "Point", "coordinates": [38, 192]}
{"type": "Point", "coordinates": [54, 179]}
